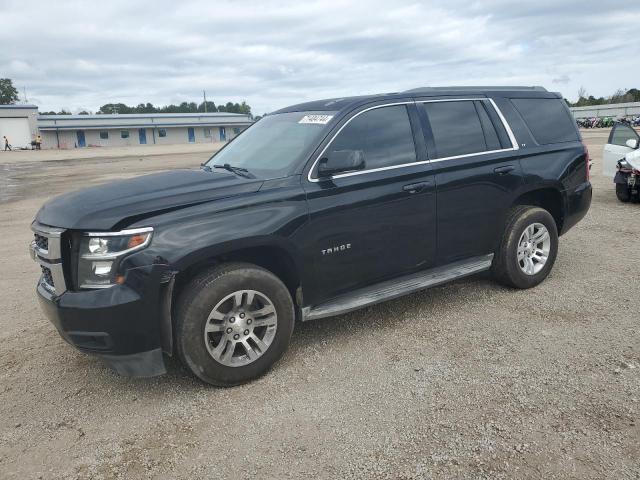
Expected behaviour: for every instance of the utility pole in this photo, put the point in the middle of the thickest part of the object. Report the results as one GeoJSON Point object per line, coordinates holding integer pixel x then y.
{"type": "Point", "coordinates": [25, 94]}
{"type": "Point", "coordinates": [204, 94]}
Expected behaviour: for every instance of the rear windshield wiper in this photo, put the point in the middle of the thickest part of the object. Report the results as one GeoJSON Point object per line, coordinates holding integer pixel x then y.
{"type": "Point", "coordinates": [242, 172]}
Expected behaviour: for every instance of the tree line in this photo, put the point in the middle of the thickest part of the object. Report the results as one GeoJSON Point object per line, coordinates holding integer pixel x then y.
{"type": "Point", "coordinates": [9, 96]}
{"type": "Point", "coordinates": [619, 96]}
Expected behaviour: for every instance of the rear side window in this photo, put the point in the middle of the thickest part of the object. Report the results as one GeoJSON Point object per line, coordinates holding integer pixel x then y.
{"type": "Point", "coordinates": [383, 134]}
{"type": "Point", "coordinates": [458, 129]}
{"type": "Point", "coordinates": [547, 119]}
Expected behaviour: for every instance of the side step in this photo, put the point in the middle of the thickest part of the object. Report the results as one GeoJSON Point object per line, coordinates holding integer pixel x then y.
{"type": "Point", "coordinates": [396, 288]}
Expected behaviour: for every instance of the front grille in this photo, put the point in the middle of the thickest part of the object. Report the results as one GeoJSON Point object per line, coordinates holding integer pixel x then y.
{"type": "Point", "coordinates": [47, 277]}
{"type": "Point", "coordinates": [46, 249]}
{"type": "Point", "coordinates": [42, 242]}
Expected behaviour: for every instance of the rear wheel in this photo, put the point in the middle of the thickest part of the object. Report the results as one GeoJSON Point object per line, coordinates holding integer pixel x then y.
{"type": "Point", "coordinates": [528, 248]}
{"type": "Point", "coordinates": [232, 323]}
{"type": "Point", "coordinates": [623, 192]}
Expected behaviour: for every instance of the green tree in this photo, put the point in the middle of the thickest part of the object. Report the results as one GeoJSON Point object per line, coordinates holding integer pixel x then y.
{"type": "Point", "coordinates": [8, 93]}
{"type": "Point", "coordinates": [211, 107]}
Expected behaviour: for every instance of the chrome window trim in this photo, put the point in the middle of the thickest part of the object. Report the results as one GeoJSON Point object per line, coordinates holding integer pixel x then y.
{"type": "Point", "coordinates": [507, 127]}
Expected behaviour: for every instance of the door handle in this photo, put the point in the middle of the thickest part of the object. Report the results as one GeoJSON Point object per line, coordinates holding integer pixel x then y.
{"type": "Point", "coordinates": [504, 170]}
{"type": "Point", "coordinates": [416, 187]}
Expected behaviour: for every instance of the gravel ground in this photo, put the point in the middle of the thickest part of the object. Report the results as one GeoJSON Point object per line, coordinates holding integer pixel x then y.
{"type": "Point", "coordinates": [466, 380]}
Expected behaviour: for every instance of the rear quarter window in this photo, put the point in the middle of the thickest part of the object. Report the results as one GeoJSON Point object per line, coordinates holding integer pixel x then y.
{"type": "Point", "coordinates": [547, 119]}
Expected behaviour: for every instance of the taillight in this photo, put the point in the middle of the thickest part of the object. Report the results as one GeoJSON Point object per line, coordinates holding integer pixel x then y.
{"type": "Point", "coordinates": [587, 161]}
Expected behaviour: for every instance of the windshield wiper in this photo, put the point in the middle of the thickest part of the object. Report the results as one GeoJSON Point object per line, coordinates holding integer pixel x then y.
{"type": "Point", "coordinates": [242, 172]}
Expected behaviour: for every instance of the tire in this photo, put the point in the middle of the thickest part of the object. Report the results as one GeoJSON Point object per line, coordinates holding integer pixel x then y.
{"type": "Point", "coordinates": [508, 266]}
{"type": "Point", "coordinates": [623, 193]}
{"type": "Point", "coordinates": [202, 352]}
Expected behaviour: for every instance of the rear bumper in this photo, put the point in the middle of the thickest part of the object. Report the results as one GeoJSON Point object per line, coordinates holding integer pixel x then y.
{"type": "Point", "coordinates": [121, 325]}
{"type": "Point", "coordinates": [577, 203]}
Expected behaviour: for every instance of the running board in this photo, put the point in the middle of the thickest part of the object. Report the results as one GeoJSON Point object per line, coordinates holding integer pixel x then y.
{"type": "Point", "coordinates": [391, 289]}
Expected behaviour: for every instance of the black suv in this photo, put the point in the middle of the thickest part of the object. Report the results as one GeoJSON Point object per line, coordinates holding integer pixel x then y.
{"type": "Point", "coordinates": [316, 210]}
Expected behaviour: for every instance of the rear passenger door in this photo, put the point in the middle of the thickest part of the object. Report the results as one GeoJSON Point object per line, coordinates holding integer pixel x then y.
{"type": "Point", "coordinates": [475, 161]}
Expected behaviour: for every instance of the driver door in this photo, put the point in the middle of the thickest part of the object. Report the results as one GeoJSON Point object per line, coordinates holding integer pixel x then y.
{"type": "Point", "coordinates": [616, 147]}
{"type": "Point", "coordinates": [376, 223]}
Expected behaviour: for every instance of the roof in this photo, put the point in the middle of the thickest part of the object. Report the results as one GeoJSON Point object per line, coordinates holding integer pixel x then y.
{"type": "Point", "coordinates": [338, 104]}
{"type": "Point", "coordinates": [139, 120]}
{"type": "Point", "coordinates": [127, 116]}
{"type": "Point", "coordinates": [22, 105]}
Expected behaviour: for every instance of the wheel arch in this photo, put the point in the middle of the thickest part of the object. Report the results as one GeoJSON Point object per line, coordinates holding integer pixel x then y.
{"type": "Point", "coordinates": [278, 257]}
{"type": "Point", "coordinates": [549, 198]}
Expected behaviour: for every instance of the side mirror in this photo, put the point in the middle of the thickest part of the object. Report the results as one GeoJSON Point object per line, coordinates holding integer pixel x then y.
{"type": "Point", "coordinates": [632, 143]}
{"type": "Point", "coordinates": [338, 161]}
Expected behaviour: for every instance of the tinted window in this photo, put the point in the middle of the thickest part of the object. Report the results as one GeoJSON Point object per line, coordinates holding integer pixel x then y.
{"type": "Point", "coordinates": [124, 133]}
{"type": "Point", "coordinates": [456, 128]}
{"type": "Point", "coordinates": [162, 132]}
{"type": "Point", "coordinates": [276, 144]}
{"type": "Point", "coordinates": [104, 135]}
{"type": "Point", "coordinates": [490, 134]}
{"type": "Point", "coordinates": [383, 135]}
{"type": "Point", "coordinates": [548, 119]}
{"type": "Point", "coordinates": [621, 133]}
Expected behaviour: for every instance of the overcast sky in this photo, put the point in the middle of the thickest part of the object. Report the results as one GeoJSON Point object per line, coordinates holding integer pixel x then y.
{"type": "Point", "coordinates": [80, 54]}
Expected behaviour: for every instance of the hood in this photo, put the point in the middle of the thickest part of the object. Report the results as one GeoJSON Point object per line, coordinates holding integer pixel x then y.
{"type": "Point", "coordinates": [633, 158]}
{"type": "Point", "coordinates": [104, 206]}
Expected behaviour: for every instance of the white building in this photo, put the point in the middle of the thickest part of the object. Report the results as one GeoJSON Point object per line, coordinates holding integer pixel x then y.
{"type": "Point", "coordinates": [77, 131]}
{"type": "Point", "coordinates": [613, 110]}
{"type": "Point", "coordinates": [19, 124]}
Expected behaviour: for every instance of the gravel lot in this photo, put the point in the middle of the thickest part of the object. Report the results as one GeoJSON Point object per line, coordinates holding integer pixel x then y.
{"type": "Point", "coordinates": [465, 380]}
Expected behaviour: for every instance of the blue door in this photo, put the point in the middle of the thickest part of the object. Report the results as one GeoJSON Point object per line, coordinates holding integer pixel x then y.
{"type": "Point", "coordinates": [142, 134]}
{"type": "Point", "coordinates": [223, 134]}
{"type": "Point", "coordinates": [81, 141]}
{"type": "Point", "coordinates": [192, 134]}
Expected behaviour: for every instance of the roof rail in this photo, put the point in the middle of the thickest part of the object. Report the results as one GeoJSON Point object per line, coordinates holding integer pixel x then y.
{"type": "Point", "coordinates": [477, 89]}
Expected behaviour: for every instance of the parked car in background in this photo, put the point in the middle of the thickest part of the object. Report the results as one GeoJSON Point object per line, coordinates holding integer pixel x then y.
{"type": "Point", "coordinates": [316, 210]}
{"type": "Point", "coordinates": [621, 161]}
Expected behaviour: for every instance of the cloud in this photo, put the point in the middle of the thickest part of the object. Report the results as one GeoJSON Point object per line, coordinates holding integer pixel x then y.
{"type": "Point", "coordinates": [271, 54]}
{"type": "Point", "coordinates": [564, 79]}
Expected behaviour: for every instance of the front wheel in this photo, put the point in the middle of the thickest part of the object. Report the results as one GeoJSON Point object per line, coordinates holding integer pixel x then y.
{"type": "Point", "coordinates": [232, 323]}
{"type": "Point", "coordinates": [623, 192]}
{"type": "Point", "coordinates": [528, 248]}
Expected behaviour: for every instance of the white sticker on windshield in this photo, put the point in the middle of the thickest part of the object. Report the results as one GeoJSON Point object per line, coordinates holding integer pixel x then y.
{"type": "Point", "coordinates": [317, 119]}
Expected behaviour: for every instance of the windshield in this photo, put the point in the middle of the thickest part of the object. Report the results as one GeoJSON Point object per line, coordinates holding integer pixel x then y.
{"type": "Point", "coordinates": [275, 144]}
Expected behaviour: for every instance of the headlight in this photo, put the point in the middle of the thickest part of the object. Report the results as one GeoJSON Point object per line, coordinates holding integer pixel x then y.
{"type": "Point", "coordinates": [101, 252]}
{"type": "Point", "coordinates": [624, 164]}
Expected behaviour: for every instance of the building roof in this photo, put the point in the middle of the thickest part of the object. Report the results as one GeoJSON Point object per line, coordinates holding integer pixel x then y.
{"type": "Point", "coordinates": [111, 116]}
{"type": "Point", "coordinates": [21, 105]}
{"type": "Point", "coordinates": [339, 104]}
{"type": "Point", "coordinates": [141, 120]}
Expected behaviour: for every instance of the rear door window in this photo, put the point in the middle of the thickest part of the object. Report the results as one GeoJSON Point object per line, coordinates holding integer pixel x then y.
{"type": "Point", "coordinates": [459, 128]}
{"type": "Point", "coordinates": [548, 119]}
{"type": "Point", "coordinates": [490, 134]}
{"type": "Point", "coordinates": [383, 134]}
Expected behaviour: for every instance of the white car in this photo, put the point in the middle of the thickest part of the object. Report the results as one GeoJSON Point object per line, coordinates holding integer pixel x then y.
{"type": "Point", "coordinates": [621, 161]}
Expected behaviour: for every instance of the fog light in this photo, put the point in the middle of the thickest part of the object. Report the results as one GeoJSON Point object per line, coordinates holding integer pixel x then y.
{"type": "Point", "coordinates": [101, 268]}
